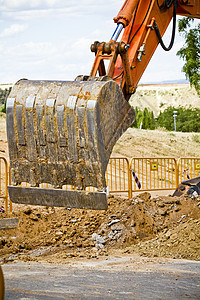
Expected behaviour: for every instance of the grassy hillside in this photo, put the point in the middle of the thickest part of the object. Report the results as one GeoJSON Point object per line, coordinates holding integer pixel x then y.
{"type": "Point", "coordinates": [152, 143]}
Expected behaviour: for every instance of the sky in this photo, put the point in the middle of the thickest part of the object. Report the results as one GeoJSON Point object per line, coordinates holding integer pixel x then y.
{"type": "Point", "coordinates": [50, 39]}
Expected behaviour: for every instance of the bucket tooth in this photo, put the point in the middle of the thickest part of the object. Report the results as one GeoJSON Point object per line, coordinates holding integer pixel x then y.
{"type": "Point", "coordinates": [62, 132]}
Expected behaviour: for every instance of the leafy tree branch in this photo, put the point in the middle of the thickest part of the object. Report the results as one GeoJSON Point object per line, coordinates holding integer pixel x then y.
{"type": "Point", "coordinates": [190, 52]}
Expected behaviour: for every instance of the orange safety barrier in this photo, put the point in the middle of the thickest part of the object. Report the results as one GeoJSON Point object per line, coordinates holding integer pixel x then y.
{"type": "Point", "coordinates": [4, 179]}
{"type": "Point", "coordinates": [118, 175]}
{"type": "Point", "coordinates": [188, 167]}
{"type": "Point", "coordinates": [154, 174]}
{"type": "Point", "coordinates": [157, 173]}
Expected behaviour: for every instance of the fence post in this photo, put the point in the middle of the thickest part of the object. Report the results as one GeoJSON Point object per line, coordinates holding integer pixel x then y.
{"type": "Point", "coordinates": [177, 172]}
{"type": "Point", "coordinates": [6, 184]}
{"type": "Point", "coordinates": [130, 185]}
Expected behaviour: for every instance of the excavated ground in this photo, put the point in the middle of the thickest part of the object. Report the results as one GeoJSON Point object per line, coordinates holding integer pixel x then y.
{"type": "Point", "coordinates": [161, 226]}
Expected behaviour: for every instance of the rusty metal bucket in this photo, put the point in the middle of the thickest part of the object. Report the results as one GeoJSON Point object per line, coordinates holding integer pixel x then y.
{"type": "Point", "coordinates": [62, 133]}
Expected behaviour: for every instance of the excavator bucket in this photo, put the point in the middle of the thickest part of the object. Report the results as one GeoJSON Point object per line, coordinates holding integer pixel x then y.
{"type": "Point", "coordinates": [62, 133]}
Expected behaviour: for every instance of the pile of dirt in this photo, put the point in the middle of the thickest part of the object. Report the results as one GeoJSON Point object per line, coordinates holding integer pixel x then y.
{"type": "Point", "coordinates": [182, 241]}
{"type": "Point", "coordinates": [46, 233]}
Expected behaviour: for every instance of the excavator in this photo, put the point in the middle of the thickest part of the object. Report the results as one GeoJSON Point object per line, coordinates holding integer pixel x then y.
{"type": "Point", "coordinates": [62, 133]}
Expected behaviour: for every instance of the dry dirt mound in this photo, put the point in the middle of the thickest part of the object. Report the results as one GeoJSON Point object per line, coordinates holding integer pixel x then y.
{"type": "Point", "coordinates": [182, 241]}
{"type": "Point", "coordinates": [58, 233]}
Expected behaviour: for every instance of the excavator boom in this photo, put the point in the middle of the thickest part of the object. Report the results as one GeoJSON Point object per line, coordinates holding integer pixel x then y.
{"type": "Point", "coordinates": [62, 133]}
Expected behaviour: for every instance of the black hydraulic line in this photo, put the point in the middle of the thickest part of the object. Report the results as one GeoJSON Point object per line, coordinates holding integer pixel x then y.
{"type": "Point", "coordinates": [165, 5]}
{"type": "Point", "coordinates": [173, 27]}
{"type": "Point", "coordinates": [118, 75]}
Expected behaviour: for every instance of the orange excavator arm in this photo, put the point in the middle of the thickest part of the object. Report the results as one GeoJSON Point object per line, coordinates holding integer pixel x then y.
{"type": "Point", "coordinates": [144, 23]}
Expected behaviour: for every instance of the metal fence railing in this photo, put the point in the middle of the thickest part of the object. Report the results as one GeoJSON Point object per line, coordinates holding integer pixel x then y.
{"type": "Point", "coordinates": [188, 167]}
{"type": "Point", "coordinates": [118, 175]}
{"type": "Point", "coordinates": [154, 174]}
{"type": "Point", "coordinates": [122, 175]}
{"type": "Point", "coordinates": [4, 180]}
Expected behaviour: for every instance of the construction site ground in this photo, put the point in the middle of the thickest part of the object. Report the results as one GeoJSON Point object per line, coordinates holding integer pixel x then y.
{"type": "Point", "coordinates": [113, 277]}
{"type": "Point", "coordinates": [150, 228]}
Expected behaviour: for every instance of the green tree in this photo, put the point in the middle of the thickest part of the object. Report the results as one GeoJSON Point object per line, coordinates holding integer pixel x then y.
{"type": "Point", "coordinates": [138, 118]}
{"type": "Point", "coordinates": [187, 120]}
{"type": "Point", "coordinates": [190, 52]}
{"type": "Point", "coordinates": [165, 118]}
{"type": "Point", "coordinates": [3, 97]}
{"type": "Point", "coordinates": [144, 119]}
{"type": "Point", "coordinates": [153, 121]}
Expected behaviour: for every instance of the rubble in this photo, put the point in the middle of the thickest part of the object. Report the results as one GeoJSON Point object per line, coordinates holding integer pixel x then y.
{"type": "Point", "coordinates": [160, 226]}
{"type": "Point", "coordinates": [180, 242]}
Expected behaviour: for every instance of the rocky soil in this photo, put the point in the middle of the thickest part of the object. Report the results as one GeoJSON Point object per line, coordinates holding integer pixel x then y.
{"type": "Point", "coordinates": [162, 226]}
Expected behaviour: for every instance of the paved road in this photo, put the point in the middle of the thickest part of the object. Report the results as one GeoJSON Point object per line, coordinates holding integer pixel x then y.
{"type": "Point", "coordinates": [118, 278]}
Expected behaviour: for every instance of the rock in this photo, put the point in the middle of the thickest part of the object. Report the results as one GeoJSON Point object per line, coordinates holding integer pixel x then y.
{"type": "Point", "coordinates": [74, 220]}
{"type": "Point", "coordinates": [34, 218]}
{"type": "Point", "coordinates": [133, 224]}
{"type": "Point", "coordinates": [117, 227]}
{"type": "Point", "coordinates": [168, 233]}
{"type": "Point", "coordinates": [113, 222]}
{"type": "Point", "coordinates": [69, 255]}
{"type": "Point", "coordinates": [174, 236]}
{"type": "Point", "coordinates": [9, 223]}
{"type": "Point", "coordinates": [79, 244]}
{"type": "Point", "coordinates": [162, 212]}
{"type": "Point", "coordinates": [134, 231]}
{"type": "Point", "coordinates": [27, 211]}
{"type": "Point", "coordinates": [86, 244]}
{"type": "Point", "coordinates": [40, 251]}
{"type": "Point", "coordinates": [177, 209]}
{"type": "Point", "coordinates": [73, 232]}
{"type": "Point", "coordinates": [87, 223]}
{"type": "Point", "coordinates": [59, 233]}
{"type": "Point", "coordinates": [100, 241]}
{"type": "Point", "coordinates": [161, 204]}
{"type": "Point", "coordinates": [145, 196]}
{"type": "Point", "coordinates": [192, 236]}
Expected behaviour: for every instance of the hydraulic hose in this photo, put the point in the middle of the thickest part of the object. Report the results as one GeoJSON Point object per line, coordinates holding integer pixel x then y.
{"type": "Point", "coordinates": [167, 4]}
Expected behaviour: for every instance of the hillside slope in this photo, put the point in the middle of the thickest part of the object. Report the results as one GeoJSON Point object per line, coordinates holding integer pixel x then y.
{"type": "Point", "coordinates": [158, 97]}
{"type": "Point", "coordinates": [151, 143]}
